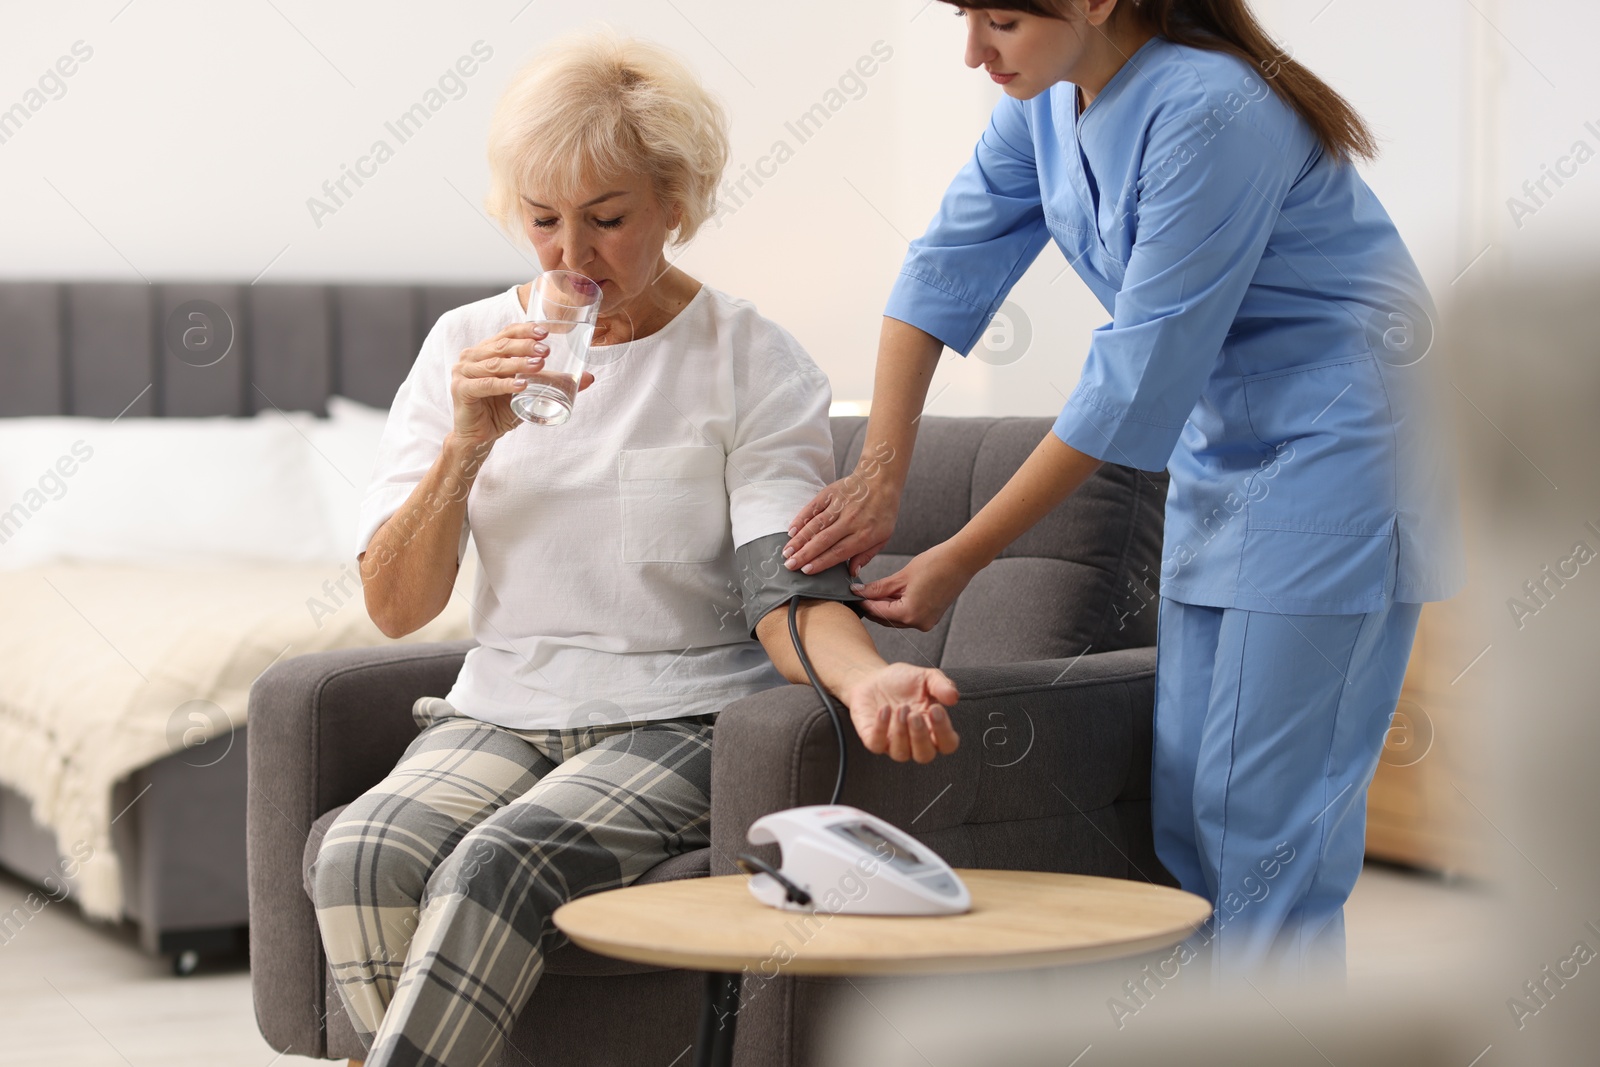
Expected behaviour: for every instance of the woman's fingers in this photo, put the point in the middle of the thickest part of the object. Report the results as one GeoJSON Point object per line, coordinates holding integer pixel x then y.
{"type": "Point", "coordinates": [916, 733]}
{"type": "Point", "coordinates": [843, 523]}
{"type": "Point", "coordinates": [878, 743]}
{"type": "Point", "coordinates": [484, 388]}
{"type": "Point", "coordinates": [861, 559]}
{"type": "Point", "coordinates": [889, 587]}
{"type": "Point", "coordinates": [499, 367]}
{"type": "Point", "coordinates": [819, 533]}
{"type": "Point", "coordinates": [885, 599]}
{"type": "Point", "coordinates": [490, 371]}
{"type": "Point", "coordinates": [897, 714]}
{"type": "Point", "coordinates": [516, 370]}
{"type": "Point", "coordinates": [492, 366]}
{"type": "Point", "coordinates": [805, 515]}
{"type": "Point", "coordinates": [916, 736]}
{"type": "Point", "coordinates": [504, 351]}
{"type": "Point", "coordinates": [820, 555]}
{"type": "Point", "coordinates": [936, 729]}
{"type": "Point", "coordinates": [898, 610]}
{"type": "Point", "coordinates": [899, 735]}
{"type": "Point", "coordinates": [826, 532]}
{"type": "Point", "coordinates": [923, 748]}
{"type": "Point", "coordinates": [872, 726]}
{"type": "Point", "coordinates": [941, 688]}
{"type": "Point", "coordinates": [944, 731]}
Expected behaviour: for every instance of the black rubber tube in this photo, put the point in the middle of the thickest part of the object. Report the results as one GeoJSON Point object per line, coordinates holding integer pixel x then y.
{"type": "Point", "coordinates": [838, 723]}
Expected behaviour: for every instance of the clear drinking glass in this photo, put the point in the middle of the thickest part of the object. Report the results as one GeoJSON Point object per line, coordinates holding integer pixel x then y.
{"type": "Point", "coordinates": [566, 304]}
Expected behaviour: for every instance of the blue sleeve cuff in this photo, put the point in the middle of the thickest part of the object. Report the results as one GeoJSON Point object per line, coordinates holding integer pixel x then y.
{"type": "Point", "coordinates": [1111, 433]}
{"type": "Point", "coordinates": [934, 309]}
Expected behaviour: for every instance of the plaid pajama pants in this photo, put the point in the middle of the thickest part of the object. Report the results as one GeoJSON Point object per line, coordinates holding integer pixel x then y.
{"type": "Point", "coordinates": [434, 889]}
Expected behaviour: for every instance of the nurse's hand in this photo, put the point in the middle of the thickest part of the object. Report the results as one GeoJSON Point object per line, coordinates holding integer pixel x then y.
{"type": "Point", "coordinates": [918, 594]}
{"type": "Point", "coordinates": [850, 520]}
{"type": "Point", "coordinates": [899, 709]}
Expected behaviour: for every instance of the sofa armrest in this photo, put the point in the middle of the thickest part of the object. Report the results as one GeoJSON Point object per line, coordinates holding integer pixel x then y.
{"type": "Point", "coordinates": [323, 728]}
{"type": "Point", "coordinates": [1053, 772]}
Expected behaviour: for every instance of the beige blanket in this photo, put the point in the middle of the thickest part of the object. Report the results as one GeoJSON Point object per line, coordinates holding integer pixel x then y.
{"type": "Point", "coordinates": [105, 668]}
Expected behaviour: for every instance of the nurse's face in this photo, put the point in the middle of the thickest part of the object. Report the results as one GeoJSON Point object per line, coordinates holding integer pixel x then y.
{"type": "Point", "coordinates": [1025, 54]}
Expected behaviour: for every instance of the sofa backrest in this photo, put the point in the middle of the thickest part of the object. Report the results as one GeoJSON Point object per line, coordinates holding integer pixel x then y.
{"type": "Point", "coordinates": [1086, 578]}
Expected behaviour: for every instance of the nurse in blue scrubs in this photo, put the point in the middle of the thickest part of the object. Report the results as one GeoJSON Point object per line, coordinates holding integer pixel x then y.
{"type": "Point", "coordinates": [1267, 346]}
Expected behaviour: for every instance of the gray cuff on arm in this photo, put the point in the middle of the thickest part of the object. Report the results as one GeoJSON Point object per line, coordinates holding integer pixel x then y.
{"type": "Point", "coordinates": [765, 583]}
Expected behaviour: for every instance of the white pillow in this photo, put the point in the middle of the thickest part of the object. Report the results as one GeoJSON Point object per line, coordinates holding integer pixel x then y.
{"type": "Point", "coordinates": [346, 445]}
{"type": "Point", "coordinates": [167, 492]}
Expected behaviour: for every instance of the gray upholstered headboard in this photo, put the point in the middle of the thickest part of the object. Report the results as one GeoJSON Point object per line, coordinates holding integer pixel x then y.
{"type": "Point", "coordinates": [91, 348]}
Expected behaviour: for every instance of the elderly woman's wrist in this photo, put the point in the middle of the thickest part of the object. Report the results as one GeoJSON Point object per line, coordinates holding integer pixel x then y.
{"type": "Point", "coordinates": [849, 678]}
{"type": "Point", "coordinates": [464, 455]}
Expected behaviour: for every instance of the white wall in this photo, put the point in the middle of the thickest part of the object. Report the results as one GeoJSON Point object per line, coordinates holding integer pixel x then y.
{"type": "Point", "coordinates": [187, 146]}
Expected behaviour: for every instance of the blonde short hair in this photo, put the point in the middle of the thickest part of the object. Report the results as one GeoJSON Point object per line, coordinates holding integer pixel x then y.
{"type": "Point", "coordinates": [597, 104]}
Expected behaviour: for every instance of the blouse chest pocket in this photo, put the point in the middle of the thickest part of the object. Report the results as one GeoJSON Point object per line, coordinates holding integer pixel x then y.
{"type": "Point", "coordinates": [674, 504]}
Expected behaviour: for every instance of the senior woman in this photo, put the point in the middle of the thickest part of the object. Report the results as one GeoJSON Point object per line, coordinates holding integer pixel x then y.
{"type": "Point", "coordinates": [574, 751]}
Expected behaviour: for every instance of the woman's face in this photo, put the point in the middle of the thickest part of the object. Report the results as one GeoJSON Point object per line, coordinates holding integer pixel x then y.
{"type": "Point", "coordinates": [613, 231]}
{"type": "Point", "coordinates": [1025, 54]}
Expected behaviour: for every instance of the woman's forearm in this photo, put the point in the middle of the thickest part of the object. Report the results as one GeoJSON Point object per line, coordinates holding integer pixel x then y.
{"type": "Point", "coordinates": [835, 641]}
{"type": "Point", "coordinates": [907, 358]}
{"type": "Point", "coordinates": [851, 520]}
{"type": "Point", "coordinates": [409, 567]}
{"type": "Point", "coordinates": [897, 709]}
{"type": "Point", "coordinates": [1047, 477]}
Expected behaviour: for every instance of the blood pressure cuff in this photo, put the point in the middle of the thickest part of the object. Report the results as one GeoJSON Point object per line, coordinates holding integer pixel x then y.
{"type": "Point", "coordinates": [765, 583]}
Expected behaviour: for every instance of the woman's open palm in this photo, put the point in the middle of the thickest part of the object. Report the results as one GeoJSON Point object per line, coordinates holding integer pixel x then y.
{"type": "Point", "coordinates": [900, 709]}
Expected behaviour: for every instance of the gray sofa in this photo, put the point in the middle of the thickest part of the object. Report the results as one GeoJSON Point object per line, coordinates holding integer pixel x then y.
{"type": "Point", "coordinates": [1051, 647]}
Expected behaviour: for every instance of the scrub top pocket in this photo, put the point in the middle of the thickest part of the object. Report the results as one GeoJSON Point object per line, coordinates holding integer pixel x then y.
{"type": "Point", "coordinates": [1329, 433]}
{"type": "Point", "coordinates": [1320, 528]}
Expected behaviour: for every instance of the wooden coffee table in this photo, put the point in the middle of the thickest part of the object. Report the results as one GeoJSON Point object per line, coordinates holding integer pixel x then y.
{"type": "Point", "coordinates": [1019, 919]}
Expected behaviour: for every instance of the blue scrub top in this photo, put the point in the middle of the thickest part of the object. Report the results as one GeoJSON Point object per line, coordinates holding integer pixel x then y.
{"type": "Point", "coordinates": [1270, 333]}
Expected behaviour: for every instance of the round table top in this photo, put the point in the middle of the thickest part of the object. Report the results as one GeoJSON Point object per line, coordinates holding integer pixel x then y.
{"type": "Point", "coordinates": [1019, 919]}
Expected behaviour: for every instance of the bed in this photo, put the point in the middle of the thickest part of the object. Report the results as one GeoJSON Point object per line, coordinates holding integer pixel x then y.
{"type": "Point", "coordinates": [177, 513]}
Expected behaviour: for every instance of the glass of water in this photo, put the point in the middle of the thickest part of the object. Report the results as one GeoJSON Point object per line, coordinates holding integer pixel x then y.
{"type": "Point", "coordinates": [566, 304]}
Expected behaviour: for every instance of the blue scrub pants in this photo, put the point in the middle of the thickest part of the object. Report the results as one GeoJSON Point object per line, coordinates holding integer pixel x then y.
{"type": "Point", "coordinates": [1268, 730]}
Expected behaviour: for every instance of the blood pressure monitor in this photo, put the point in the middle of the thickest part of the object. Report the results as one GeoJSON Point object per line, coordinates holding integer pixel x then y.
{"type": "Point", "coordinates": [841, 860]}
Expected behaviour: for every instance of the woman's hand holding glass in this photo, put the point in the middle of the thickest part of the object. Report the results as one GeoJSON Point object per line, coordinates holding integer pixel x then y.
{"type": "Point", "coordinates": [899, 709]}
{"type": "Point", "coordinates": [484, 379]}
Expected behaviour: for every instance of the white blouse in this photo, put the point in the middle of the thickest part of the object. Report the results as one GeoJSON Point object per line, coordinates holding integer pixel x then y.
{"type": "Point", "coordinates": [606, 590]}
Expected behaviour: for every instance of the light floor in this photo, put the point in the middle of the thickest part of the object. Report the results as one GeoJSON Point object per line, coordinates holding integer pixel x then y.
{"type": "Point", "coordinates": [74, 995]}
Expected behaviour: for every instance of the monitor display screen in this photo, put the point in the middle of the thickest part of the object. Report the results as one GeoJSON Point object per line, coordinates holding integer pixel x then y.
{"type": "Point", "coordinates": [889, 852]}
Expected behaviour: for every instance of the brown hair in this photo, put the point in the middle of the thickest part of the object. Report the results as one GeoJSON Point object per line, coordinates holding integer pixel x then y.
{"type": "Point", "coordinates": [1230, 26]}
